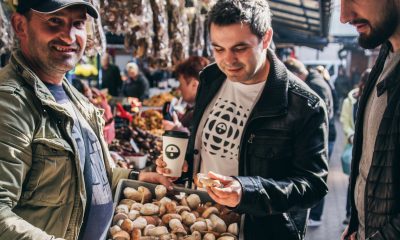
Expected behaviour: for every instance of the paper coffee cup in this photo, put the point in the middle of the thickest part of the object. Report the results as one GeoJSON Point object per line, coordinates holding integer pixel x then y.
{"type": "Point", "coordinates": [174, 150]}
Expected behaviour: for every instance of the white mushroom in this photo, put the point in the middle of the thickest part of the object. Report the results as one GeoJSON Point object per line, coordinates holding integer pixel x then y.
{"type": "Point", "coordinates": [146, 194]}
{"type": "Point", "coordinates": [209, 236]}
{"type": "Point", "coordinates": [188, 218]}
{"type": "Point", "coordinates": [180, 209]}
{"type": "Point", "coordinates": [133, 194]}
{"type": "Point", "coordinates": [118, 217]}
{"type": "Point", "coordinates": [133, 214]}
{"type": "Point", "coordinates": [233, 229]}
{"type": "Point", "coordinates": [209, 211]}
{"type": "Point", "coordinates": [200, 226]}
{"type": "Point", "coordinates": [165, 200]}
{"type": "Point", "coordinates": [127, 202]}
{"type": "Point", "coordinates": [193, 201]}
{"type": "Point", "coordinates": [127, 225]}
{"type": "Point", "coordinates": [147, 228]}
{"type": "Point", "coordinates": [218, 224]}
{"type": "Point", "coordinates": [195, 236]}
{"type": "Point", "coordinates": [170, 207]}
{"type": "Point", "coordinates": [114, 229]}
{"type": "Point", "coordinates": [157, 231]}
{"type": "Point", "coordinates": [139, 223]}
{"type": "Point", "coordinates": [167, 217]}
{"type": "Point", "coordinates": [136, 206]}
{"type": "Point", "coordinates": [227, 236]}
{"type": "Point", "coordinates": [177, 227]}
{"type": "Point", "coordinates": [122, 208]}
{"type": "Point", "coordinates": [121, 235]}
{"type": "Point", "coordinates": [149, 209]}
{"type": "Point", "coordinates": [160, 191]}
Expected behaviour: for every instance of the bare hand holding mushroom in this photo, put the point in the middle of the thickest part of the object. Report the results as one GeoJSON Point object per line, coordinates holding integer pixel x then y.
{"type": "Point", "coordinates": [228, 195]}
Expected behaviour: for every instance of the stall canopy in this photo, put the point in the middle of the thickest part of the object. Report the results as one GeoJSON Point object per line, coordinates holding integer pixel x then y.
{"type": "Point", "coordinates": [301, 22]}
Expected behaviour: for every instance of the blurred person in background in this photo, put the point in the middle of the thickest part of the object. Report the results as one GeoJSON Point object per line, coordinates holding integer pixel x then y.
{"type": "Point", "coordinates": [343, 85]}
{"type": "Point", "coordinates": [136, 84]}
{"type": "Point", "coordinates": [315, 80]}
{"type": "Point", "coordinates": [374, 178]}
{"type": "Point", "coordinates": [348, 118]}
{"type": "Point", "coordinates": [111, 76]}
{"type": "Point", "coordinates": [332, 117]}
{"type": "Point", "coordinates": [99, 99]}
{"type": "Point", "coordinates": [187, 73]}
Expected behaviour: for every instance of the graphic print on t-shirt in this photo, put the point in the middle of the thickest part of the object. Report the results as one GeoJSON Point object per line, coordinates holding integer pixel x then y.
{"type": "Point", "coordinates": [99, 177]}
{"type": "Point", "coordinates": [223, 128]}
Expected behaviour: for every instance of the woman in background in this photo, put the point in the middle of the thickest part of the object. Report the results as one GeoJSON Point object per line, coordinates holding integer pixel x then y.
{"type": "Point", "coordinates": [187, 73]}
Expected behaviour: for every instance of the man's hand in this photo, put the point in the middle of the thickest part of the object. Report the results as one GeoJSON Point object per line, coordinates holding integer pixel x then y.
{"type": "Point", "coordinates": [353, 236]}
{"type": "Point", "coordinates": [156, 178]}
{"type": "Point", "coordinates": [161, 168]}
{"type": "Point", "coordinates": [229, 195]}
{"type": "Point", "coordinates": [168, 125]}
{"type": "Point", "coordinates": [175, 123]}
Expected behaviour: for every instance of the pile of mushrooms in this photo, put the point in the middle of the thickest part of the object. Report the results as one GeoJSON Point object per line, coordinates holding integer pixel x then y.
{"type": "Point", "coordinates": [140, 217]}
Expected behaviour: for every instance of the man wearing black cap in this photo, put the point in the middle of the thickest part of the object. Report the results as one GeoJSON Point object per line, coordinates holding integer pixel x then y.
{"type": "Point", "coordinates": [55, 181]}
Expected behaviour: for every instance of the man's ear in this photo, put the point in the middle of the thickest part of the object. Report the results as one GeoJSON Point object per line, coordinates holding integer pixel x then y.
{"type": "Point", "coordinates": [194, 83]}
{"type": "Point", "coordinates": [19, 24]}
{"type": "Point", "coordinates": [267, 39]}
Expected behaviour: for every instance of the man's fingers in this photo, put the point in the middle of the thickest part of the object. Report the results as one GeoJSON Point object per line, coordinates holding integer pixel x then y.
{"type": "Point", "coordinates": [153, 177]}
{"type": "Point", "coordinates": [185, 166]}
{"type": "Point", "coordinates": [163, 171]}
{"type": "Point", "coordinates": [160, 170]}
{"type": "Point", "coordinates": [223, 179]}
{"type": "Point", "coordinates": [353, 236]}
{"type": "Point", "coordinates": [221, 192]}
{"type": "Point", "coordinates": [160, 162]}
{"type": "Point", "coordinates": [165, 181]}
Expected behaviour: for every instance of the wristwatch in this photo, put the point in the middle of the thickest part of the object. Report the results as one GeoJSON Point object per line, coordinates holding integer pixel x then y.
{"type": "Point", "coordinates": [134, 175]}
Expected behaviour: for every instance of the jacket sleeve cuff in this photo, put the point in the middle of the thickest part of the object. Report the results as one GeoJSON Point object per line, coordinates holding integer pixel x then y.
{"type": "Point", "coordinates": [250, 194]}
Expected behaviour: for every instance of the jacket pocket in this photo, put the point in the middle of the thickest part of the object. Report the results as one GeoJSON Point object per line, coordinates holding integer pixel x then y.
{"type": "Point", "coordinates": [49, 178]}
{"type": "Point", "coordinates": [269, 156]}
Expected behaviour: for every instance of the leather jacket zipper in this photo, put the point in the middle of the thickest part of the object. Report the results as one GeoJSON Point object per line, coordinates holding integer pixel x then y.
{"type": "Point", "coordinates": [251, 138]}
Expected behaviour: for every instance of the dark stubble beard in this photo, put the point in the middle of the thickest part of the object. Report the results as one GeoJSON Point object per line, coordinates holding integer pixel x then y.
{"type": "Point", "coordinates": [380, 33]}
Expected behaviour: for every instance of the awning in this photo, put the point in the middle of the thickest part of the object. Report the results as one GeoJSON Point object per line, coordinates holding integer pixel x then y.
{"type": "Point", "coordinates": [301, 22]}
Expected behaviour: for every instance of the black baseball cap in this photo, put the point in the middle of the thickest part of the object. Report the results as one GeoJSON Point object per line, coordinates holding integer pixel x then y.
{"type": "Point", "coordinates": [51, 6]}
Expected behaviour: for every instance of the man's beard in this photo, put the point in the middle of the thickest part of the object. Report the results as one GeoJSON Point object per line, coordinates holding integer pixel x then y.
{"type": "Point", "coordinates": [381, 32]}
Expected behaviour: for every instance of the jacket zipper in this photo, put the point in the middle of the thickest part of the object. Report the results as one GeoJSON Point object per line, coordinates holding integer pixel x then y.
{"type": "Point", "coordinates": [251, 138]}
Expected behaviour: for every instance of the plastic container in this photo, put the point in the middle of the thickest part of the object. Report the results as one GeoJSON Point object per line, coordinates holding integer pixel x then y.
{"type": "Point", "coordinates": [138, 160]}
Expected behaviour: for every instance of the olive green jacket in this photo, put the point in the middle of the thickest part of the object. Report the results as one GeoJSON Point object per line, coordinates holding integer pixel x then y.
{"type": "Point", "coordinates": [42, 189]}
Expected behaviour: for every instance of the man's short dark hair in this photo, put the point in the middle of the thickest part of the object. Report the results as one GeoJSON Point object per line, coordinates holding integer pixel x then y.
{"type": "Point", "coordinates": [255, 13]}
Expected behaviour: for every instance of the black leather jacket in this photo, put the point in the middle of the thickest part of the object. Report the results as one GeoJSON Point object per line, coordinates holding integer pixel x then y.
{"type": "Point", "coordinates": [382, 193]}
{"type": "Point", "coordinates": [283, 153]}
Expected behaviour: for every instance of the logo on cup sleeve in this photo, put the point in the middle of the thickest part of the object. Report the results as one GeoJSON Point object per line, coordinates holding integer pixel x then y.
{"type": "Point", "coordinates": [172, 151]}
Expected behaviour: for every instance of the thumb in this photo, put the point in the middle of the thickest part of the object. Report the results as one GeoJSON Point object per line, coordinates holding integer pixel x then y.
{"type": "Point", "coordinates": [223, 179]}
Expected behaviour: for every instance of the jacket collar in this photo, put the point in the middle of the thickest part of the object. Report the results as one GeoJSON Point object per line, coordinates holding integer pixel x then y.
{"type": "Point", "coordinates": [20, 65]}
{"type": "Point", "coordinates": [274, 98]}
{"type": "Point", "coordinates": [41, 91]}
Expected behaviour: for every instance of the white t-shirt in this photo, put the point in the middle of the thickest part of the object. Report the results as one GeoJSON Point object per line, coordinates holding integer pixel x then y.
{"type": "Point", "coordinates": [222, 126]}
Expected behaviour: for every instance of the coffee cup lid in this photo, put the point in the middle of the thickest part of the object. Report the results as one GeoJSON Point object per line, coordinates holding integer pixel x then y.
{"type": "Point", "coordinates": [176, 134]}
